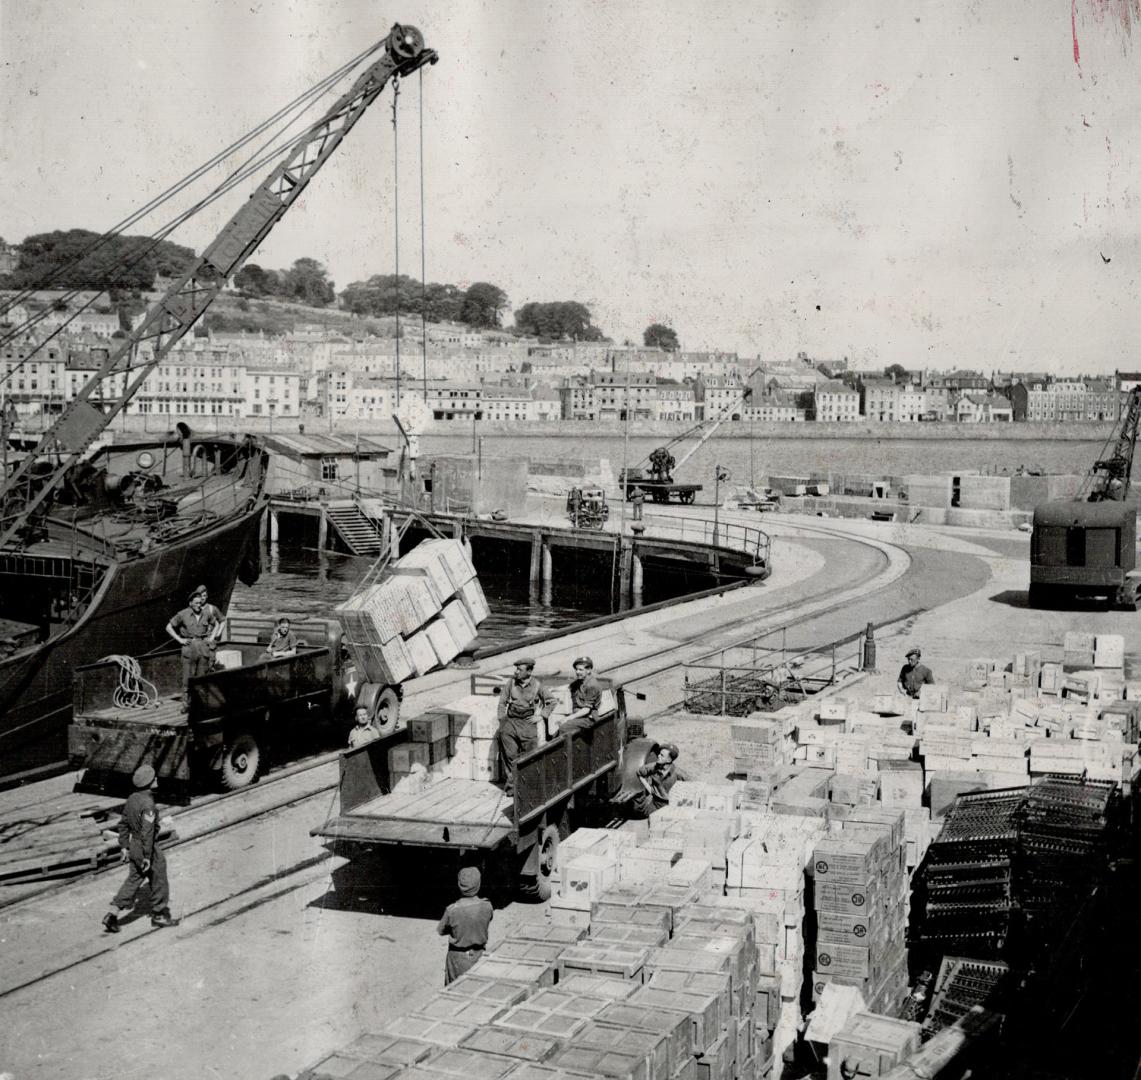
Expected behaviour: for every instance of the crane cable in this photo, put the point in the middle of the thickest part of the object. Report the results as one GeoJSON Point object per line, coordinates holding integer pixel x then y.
{"type": "Point", "coordinates": [133, 691]}
{"type": "Point", "coordinates": [318, 88]}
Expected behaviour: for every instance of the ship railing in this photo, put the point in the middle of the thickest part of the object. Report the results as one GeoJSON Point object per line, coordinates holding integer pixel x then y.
{"type": "Point", "coordinates": [729, 535]}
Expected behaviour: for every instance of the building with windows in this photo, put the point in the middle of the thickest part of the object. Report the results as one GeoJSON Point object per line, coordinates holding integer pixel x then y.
{"type": "Point", "coordinates": [337, 466]}
{"type": "Point", "coordinates": [836, 402]}
{"type": "Point", "coordinates": [675, 401]}
{"type": "Point", "coordinates": [983, 409]}
{"type": "Point", "coordinates": [613, 389]}
{"type": "Point", "coordinates": [881, 399]}
{"type": "Point", "coordinates": [577, 401]}
{"type": "Point", "coordinates": [777, 408]}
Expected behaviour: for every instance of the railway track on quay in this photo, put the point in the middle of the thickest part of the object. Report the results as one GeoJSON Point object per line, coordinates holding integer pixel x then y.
{"type": "Point", "coordinates": [298, 790]}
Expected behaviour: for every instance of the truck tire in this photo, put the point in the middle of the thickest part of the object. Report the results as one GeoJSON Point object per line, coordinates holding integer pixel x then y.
{"type": "Point", "coordinates": [241, 760]}
{"type": "Point", "coordinates": [386, 711]}
{"type": "Point", "coordinates": [537, 886]}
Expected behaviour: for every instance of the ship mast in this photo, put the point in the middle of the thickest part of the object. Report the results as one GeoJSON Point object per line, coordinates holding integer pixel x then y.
{"type": "Point", "coordinates": [180, 307]}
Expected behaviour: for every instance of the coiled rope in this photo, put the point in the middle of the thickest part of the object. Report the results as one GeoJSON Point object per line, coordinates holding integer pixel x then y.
{"type": "Point", "coordinates": [133, 691]}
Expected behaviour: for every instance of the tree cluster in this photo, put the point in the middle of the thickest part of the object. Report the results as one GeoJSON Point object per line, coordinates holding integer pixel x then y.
{"type": "Point", "coordinates": [480, 305]}
{"type": "Point", "coordinates": [80, 259]}
{"type": "Point", "coordinates": [557, 320]}
{"type": "Point", "coordinates": [305, 282]}
{"type": "Point", "coordinates": [658, 335]}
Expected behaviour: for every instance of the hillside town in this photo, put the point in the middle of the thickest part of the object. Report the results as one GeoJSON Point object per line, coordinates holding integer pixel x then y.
{"type": "Point", "coordinates": [464, 374]}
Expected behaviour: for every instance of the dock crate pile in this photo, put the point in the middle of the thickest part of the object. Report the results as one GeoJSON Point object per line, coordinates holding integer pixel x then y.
{"type": "Point", "coordinates": [420, 614]}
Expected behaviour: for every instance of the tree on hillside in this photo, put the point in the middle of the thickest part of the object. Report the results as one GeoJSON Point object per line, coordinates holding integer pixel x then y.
{"type": "Point", "coordinates": [82, 259]}
{"type": "Point", "coordinates": [257, 282]}
{"type": "Point", "coordinates": [896, 372]}
{"type": "Point", "coordinates": [482, 304]}
{"type": "Point", "coordinates": [556, 320]}
{"type": "Point", "coordinates": [385, 294]}
{"type": "Point", "coordinates": [307, 281]}
{"type": "Point", "coordinates": [658, 335]}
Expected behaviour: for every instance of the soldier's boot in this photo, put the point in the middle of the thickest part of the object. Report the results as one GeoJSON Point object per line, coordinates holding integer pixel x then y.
{"type": "Point", "coordinates": [163, 918]}
{"type": "Point", "coordinates": [111, 923]}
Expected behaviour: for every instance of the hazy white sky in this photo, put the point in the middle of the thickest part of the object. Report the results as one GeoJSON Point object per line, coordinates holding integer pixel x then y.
{"type": "Point", "coordinates": [928, 183]}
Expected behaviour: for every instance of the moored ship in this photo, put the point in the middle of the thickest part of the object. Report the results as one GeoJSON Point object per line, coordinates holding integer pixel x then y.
{"type": "Point", "coordinates": [135, 528]}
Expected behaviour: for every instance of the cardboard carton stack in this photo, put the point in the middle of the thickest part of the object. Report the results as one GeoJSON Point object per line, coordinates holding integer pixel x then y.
{"type": "Point", "coordinates": [422, 613]}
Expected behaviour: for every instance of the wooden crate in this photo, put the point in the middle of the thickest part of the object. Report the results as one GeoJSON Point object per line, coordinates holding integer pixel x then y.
{"type": "Point", "coordinates": [673, 1023]}
{"type": "Point", "coordinates": [604, 959]}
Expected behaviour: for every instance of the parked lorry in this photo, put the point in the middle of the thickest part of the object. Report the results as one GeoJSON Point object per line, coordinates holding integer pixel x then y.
{"type": "Point", "coordinates": [127, 713]}
{"type": "Point", "coordinates": [467, 821]}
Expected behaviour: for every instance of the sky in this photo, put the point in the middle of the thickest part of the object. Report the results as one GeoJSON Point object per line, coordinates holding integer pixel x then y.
{"type": "Point", "coordinates": [895, 181]}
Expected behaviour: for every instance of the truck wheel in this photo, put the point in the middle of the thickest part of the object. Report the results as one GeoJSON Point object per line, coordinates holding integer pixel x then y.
{"type": "Point", "coordinates": [537, 887]}
{"type": "Point", "coordinates": [241, 760]}
{"type": "Point", "coordinates": [386, 712]}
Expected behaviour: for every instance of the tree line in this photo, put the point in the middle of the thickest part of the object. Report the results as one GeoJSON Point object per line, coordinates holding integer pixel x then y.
{"type": "Point", "coordinates": [124, 266]}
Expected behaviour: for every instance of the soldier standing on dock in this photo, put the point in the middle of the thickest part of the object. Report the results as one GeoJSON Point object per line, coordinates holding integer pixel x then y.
{"type": "Point", "coordinates": [138, 841]}
{"type": "Point", "coordinates": [519, 702]}
{"type": "Point", "coordinates": [466, 922]}
{"type": "Point", "coordinates": [913, 674]}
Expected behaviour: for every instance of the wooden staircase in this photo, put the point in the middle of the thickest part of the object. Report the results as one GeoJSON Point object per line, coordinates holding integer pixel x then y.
{"type": "Point", "coordinates": [359, 533]}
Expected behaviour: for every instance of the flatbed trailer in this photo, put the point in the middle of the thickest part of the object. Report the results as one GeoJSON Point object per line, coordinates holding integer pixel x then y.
{"type": "Point", "coordinates": [220, 728]}
{"type": "Point", "coordinates": [660, 492]}
{"type": "Point", "coordinates": [513, 839]}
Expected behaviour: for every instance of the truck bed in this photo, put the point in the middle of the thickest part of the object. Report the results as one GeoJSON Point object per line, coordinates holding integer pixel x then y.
{"type": "Point", "coordinates": [166, 712]}
{"type": "Point", "coordinates": [448, 813]}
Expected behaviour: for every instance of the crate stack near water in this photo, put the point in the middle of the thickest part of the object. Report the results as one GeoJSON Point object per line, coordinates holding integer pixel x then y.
{"type": "Point", "coordinates": [422, 613]}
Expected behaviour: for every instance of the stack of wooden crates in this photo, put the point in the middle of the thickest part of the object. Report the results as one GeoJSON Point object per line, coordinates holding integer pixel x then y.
{"type": "Point", "coordinates": [420, 615]}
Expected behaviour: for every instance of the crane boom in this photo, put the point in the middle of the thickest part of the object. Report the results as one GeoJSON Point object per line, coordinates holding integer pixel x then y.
{"type": "Point", "coordinates": [1111, 476]}
{"type": "Point", "coordinates": [173, 315]}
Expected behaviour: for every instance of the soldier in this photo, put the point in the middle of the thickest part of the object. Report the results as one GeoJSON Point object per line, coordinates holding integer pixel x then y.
{"type": "Point", "coordinates": [519, 702]}
{"type": "Point", "coordinates": [364, 730]}
{"type": "Point", "coordinates": [283, 641]}
{"type": "Point", "coordinates": [196, 628]}
{"type": "Point", "coordinates": [638, 498]}
{"type": "Point", "coordinates": [466, 922]}
{"type": "Point", "coordinates": [586, 696]}
{"type": "Point", "coordinates": [138, 841]}
{"type": "Point", "coordinates": [913, 674]}
{"type": "Point", "coordinates": [658, 779]}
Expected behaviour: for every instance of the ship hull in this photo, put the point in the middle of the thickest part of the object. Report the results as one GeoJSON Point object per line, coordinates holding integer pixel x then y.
{"type": "Point", "coordinates": [128, 616]}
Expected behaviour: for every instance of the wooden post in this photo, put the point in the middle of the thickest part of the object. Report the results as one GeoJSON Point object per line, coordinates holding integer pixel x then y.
{"type": "Point", "coordinates": [636, 576]}
{"type": "Point", "coordinates": [273, 526]}
{"type": "Point", "coordinates": [546, 567]}
{"type": "Point", "coordinates": [263, 529]}
{"type": "Point", "coordinates": [323, 530]}
{"type": "Point", "coordinates": [625, 565]}
{"type": "Point", "coordinates": [536, 556]}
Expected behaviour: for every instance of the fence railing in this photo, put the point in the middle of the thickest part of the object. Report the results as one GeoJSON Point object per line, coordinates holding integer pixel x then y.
{"type": "Point", "coordinates": [723, 534]}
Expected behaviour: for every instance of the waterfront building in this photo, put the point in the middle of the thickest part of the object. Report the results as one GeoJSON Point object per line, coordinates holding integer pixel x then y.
{"type": "Point", "coordinates": [778, 408]}
{"type": "Point", "coordinates": [719, 395]}
{"type": "Point", "coordinates": [1102, 400]}
{"type": "Point", "coordinates": [881, 399]}
{"type": "Point", "coordinates": [615, 392]}
{"type": "Point", "coordinates": [577, 401]}
{"type": "Point", "coordinates": [334, 465]}
{"type": "Point", "coordinates": [675, 401]}
{"type": "Point", "coordinates": [983, 409]}
{"type": "Point", "coordinates": [455, 401]}
{"type": "Point", "coordinates": [837, 402]}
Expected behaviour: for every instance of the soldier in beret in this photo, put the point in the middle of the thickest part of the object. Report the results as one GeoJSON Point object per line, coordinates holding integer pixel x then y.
{"type": "Point", "coordinates": [138, 842]}
{"type": "Point", "coordinates": [520, 701]}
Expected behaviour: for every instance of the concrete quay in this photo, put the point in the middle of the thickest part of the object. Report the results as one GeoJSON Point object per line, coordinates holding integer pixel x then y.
{"type": "Point", "coordinates": [269, 969]}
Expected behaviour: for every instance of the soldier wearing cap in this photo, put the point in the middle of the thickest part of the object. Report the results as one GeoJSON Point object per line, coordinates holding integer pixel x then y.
{"type": "Point", "coordinates": [520, 701]}
{"type": "Point", "coordinates": [196, 628]}
{"type": "Point", "coordinates": [913, 674]}
{"type": "Point", "coordinates": [586, 696]}
{"type": "Point", "coordinates": [466, 922]}
{"type": "Point", "coordinates": [138, 842]}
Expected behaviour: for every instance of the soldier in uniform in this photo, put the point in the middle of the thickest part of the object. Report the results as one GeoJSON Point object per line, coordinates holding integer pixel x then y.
{"type": "Point", "coordinates": [138, 836]}
{"type": "Point", "coordinates": [466, 923]}
{"type": "Point", "coordinates": [519, 702]}
{"type": "Point", "coordinates": [658, 779]}
{"type": "Point", "coordinates": [586, 695]}
{"type": "Point", "coordinates": [283, 642]}
{"type": "Point", "coordinates": [913, 674]}
{"type": "Point", "coordinates": [196, 628]}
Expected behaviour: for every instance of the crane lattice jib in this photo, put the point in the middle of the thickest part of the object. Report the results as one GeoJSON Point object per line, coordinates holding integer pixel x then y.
{"type": "Point", "coordinates": [180, 307]}
{"type": "Point", "coordinates": [1118, 466]}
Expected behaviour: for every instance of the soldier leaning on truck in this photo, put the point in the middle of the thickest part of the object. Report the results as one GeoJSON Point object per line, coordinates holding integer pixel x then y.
{"type": "Point", "coordinates": [138, 841]}
{"type": "Point", "coordinates": [466, 922]}
{"type": "Point", "coordinates": [520, 701]}
{"type": "Point", "coordinates": [196, 628]}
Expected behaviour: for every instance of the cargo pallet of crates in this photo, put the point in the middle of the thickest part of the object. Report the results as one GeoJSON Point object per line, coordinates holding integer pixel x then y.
{"type": "Point", "coordinates": [415, 614]}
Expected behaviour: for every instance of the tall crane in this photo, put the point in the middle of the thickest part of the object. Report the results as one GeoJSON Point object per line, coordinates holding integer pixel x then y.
{"type": "Point", "coordinates": [1111, 476]}
{"type": "Point", "coordinates": [168, 320]}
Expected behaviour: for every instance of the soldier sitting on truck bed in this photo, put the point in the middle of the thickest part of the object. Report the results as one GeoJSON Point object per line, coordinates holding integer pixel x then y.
{"type": "Point", "coordinates": [519, 702]}
{"type": "Point", "coordinates": [586, 696]}
{"type": "Point", "coordinates": [283, 642]}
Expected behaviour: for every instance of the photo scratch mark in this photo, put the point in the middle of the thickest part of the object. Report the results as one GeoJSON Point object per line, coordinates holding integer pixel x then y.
{"type": "Point", "coordinates": [1010, 177]}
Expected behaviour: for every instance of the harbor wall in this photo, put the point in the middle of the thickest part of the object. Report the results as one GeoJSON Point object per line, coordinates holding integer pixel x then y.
{"type": "Point", "coordinates": [1028, 432]}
